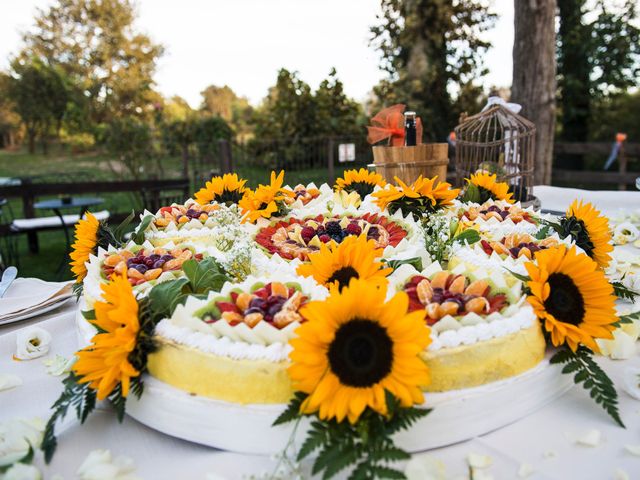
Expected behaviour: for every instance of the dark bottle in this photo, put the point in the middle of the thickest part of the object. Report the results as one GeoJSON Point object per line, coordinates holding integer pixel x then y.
{"type": "Point", "coordinates": [410, 129]}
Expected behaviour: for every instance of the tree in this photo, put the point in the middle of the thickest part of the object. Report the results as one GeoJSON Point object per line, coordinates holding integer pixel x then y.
{"type": "Point", "coordinates": [429, 49]}
{"type": "Point", "coordinates": [288, 110]}
{"type": "Point", "coordinates": [224, 102]}
{"type": "Point", "coordinates": [335, 113]}
{"type": "Point", "coordinates": [40, 95]}
{"type": "Point", "coordinates": [9, 119]}
{"type": "Point", "coordinates": [96, 45]}
{"type": "Point", "coordinates": [595, 59]}
{"type": "Point", "coordinates": [534, 76]}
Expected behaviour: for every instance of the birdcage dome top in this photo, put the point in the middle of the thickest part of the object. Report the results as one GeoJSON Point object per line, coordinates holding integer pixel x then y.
{"type": "Point", "coordinates": [490, 125]}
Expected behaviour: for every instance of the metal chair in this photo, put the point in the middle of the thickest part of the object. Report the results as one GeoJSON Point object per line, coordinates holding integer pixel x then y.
{"type": "Point", "coordinates": [9, 254]}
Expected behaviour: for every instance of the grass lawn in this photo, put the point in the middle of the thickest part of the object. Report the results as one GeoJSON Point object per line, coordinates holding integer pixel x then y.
{"type": "Point", "coordinates": [61, 166]}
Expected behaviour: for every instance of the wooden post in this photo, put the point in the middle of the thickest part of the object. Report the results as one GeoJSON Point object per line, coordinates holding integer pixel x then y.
{"type": "Point", "coordinates": [29, 212]}
{"type": "Point", "coordinates": [226, 162]}
{"type": "Point", "coordinates": [622, 166]}
{"type": "Point", "coordinates": [332, 175]}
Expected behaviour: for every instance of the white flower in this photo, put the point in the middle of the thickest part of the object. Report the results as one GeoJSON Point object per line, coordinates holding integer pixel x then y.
{"type": "Point", "coordinates": [99, 465]}
{"type": "Point", "coordinates": [624, 233]}
{"type": "Point", "coordinates": [32, 342]}
{"type": "Point", "coordinates": [590, 439]}
{"type": "Point", "coordinates": [525, 470]}
{"type": "Point", "coordinates": [59, 365]}
{"type": "Point", "coordinates": [621, 347]}
{"type": "Point", "coordinates": [620, 474]}
{"type": "Point", "coordinates": [476, 460]}
{"type": "Point", "coordinates": [633, 449]}
{"type": "Point", "coordinates": [17, 437]}
{"type": "Point", "coordinates": [631, 381]}
{"type": "Point", "coordinates": [21, 471]}
{"type": "Point", "coordinates": [425, 467]}
{"type": "Point", "coordinates": [8, 380]}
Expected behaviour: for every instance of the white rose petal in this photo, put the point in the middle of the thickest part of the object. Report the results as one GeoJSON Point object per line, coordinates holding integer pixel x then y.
{"type": "Point", "coordinates": [425, 467]}
{"type": "Point", "coordinates": [100, 465]}
{"type": "Point", "coordinates": [480, 475]}
{"type": "Point", "coordinates": [590, 439]}
{"type": "Point", "coordinates": [549, 454]}
{"type": "Point", "coordinates": [621, 347]}
{"type": "Point", "coordinates": [8, 380]}
{"type": "Point", "coordinates": [59, 365]}
{"type": "Point", "coordinates": [17, 437]}
{"type": "Point", "coordinates": [631, 381]}
{"type": "Point", "coordinates": [57, 476]}
{"type": "Point", "coordinates": [525, 470]}
{"type": "Point", "coordinates": [633, 449]}
{"type": "Point", "coordinates": [626, 230]}
{"type": "Point", "coordinates": [476, 460]}
{"type": "Point", "coordinates": [620, 474]}
{"type": "Point", "coordinates": [21, 471]}
{"type": "Point", "coordinates": [32, 342]}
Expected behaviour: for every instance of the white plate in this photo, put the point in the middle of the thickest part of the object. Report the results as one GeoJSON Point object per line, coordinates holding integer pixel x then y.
{"type": "Point", "coordinates": [35, 313]}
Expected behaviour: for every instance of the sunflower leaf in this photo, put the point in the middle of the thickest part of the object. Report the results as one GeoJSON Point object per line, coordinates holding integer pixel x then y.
{"type": "Point", "coordinates": [415, 262]}
{"type": "Point", "coordinates": [471, 194]}
{"type": "Point", "coordinates": [543, 232]}
{"type": "Point", "coordinates": [469, 236]}
{"type": "Point", "coordinates": [593, 378]}
{"type": "Point", "coordinates": [138, 234]}
{"type": "Point", "coordinates": [522, 278]}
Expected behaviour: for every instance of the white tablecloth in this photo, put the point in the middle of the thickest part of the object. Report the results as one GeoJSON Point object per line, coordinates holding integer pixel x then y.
{"type": "Point", "coordinates": [545, 439]}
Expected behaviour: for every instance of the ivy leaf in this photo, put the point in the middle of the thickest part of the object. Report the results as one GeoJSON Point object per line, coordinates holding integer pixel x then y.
{"type": "Point", "coordinates": [593, 378]}
{"type": "Point", "coordinates": [469, 236]}
{"type": "Point", "coordinates": [138, 235]}
{"type": "Point", "coordinates": [88, 314]}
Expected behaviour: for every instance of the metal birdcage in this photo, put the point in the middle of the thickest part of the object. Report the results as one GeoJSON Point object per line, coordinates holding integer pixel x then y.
{"type": "Point", "coordinates": [501, 142]}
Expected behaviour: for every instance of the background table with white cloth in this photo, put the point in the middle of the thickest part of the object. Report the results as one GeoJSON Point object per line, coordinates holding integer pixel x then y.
{"type": "Point", "coordinates": [546, 440]}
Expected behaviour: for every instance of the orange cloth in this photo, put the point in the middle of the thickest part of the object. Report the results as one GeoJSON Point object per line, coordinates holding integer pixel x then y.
{"type": "Point", "coordinates": [389, 124]}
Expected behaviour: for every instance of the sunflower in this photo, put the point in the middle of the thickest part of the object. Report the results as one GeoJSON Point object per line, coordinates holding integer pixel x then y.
{"type": "Point", "coordinates": [353, 347]}
{"type": "Point", "coordinates": [361, 181]}
{"type": "Point", "coordinates": [422, 196]}
{"type": "Point", "coordinates": [86, 243]}
{"type": "Point", "coordinates": [266, 200]}
{"type": "Point", "coordinates": [572, 297]}
{"type": "Point", "coordinates": [590, 230]}
{"type": "Point", "coordinates": [225, 189]}
{"type": "Point", "coordinates": [105, 363]}
{"type": "Point", "coordinates": [489, 188]}
{"type": "Point", "coordinates": [336, 264]}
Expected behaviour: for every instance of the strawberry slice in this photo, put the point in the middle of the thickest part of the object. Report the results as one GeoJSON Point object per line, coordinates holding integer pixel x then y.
{"type": "Point", "coordinates": [227, 307]}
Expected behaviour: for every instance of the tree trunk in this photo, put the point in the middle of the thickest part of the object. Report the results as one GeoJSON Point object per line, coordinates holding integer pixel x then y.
{"type": "Point", "coordinates": [534, 76]}
{"type": "Point", "coordinates": [32, 141]}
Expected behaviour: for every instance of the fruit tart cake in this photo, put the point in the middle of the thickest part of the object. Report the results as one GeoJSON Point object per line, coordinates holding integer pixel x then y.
{"type": "Point", "coordinates": [482, 328]}
{"type": "Point", "coordinates": [233, 346]}
{"type": "Point", "coordinates": [498, 252]}
{"type": "Point", "coordinates": [295, 238]}
{"type": "Point", "coordinates": [146, 266]}
{"type": "Point", "coordinates": [498, 216]}
{"type": "Point", "coordinates": [212, 224]}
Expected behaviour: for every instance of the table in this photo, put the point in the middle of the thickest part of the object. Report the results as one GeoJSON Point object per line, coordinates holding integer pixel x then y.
{"type": "Point", "coordinates": [545, 439]}
{"type": "Point", "coordinates": [57, 205]}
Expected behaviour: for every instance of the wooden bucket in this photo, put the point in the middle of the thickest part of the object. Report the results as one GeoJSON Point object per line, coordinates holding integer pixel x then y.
{"type": "Point", "coordinates": [408, 163]}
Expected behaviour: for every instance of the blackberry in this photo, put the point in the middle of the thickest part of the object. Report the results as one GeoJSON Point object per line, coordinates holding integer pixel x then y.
{"type": "Point", "coordinates": [333, 228]}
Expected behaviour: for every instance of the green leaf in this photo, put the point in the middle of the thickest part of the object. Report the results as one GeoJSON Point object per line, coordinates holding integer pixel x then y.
{"type": "Point", "coordinates": [292, 412]}
{"type": "Point", "coordinates": [522, 278]}
{"type": "Point", "coordinates": [88, 314]}
{"type": "Point", "coordinates": [138, 235]}
{"type": "Point", "coordinates": [165, 297]}
{"type": "Point", "coordinates": [471, 194]}
{"type": "Point", "coordinates": [387, 472]}
{"type": "Point", "coordinates": [629, 318]}
{"type": "Point", "coordinates": [593, 378]}
{"type": "Point", "coordinates": [204, 276]}
{"type": "Point", "coordinates": [415, 262]}
{"type": "Point", "coordinates": [469, 236]}
{"type": "Point", "coordinates": [118, 232]}
{"type": "Point", "coordinates": [624, 292]}
{"type": "Point", "coordinates": [543, 232]}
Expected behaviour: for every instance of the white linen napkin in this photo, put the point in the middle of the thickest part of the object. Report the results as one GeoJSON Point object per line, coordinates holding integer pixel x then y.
{"type": "Point", "coordinates": [28, 294]}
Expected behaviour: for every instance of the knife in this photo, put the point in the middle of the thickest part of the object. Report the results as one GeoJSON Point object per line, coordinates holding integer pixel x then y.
{"type": "Point", "coordinates": [8, 277]}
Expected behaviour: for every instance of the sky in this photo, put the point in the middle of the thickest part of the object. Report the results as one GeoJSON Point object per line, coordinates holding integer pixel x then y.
{"type": "Point", "coordinates": [243, 43]}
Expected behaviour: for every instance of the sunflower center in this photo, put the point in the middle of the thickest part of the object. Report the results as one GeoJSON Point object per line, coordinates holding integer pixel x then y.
{"type": "Point", "coordinates": [343, 276]}
{"type": "Point", "coordinates": [228, 196]}
{"type": "Point", "coordinates": [361, 353]}
{"type": "Point", "coordinates": [565, 302]}
{"type": "Point", "coordinates": [578, 231]}
{"type": "Point", "coordinates": [363, 188]}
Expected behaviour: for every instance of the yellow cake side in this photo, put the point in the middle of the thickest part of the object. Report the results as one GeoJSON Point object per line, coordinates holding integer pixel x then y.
{"type": "Point", "coordinates": [263, 381]}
